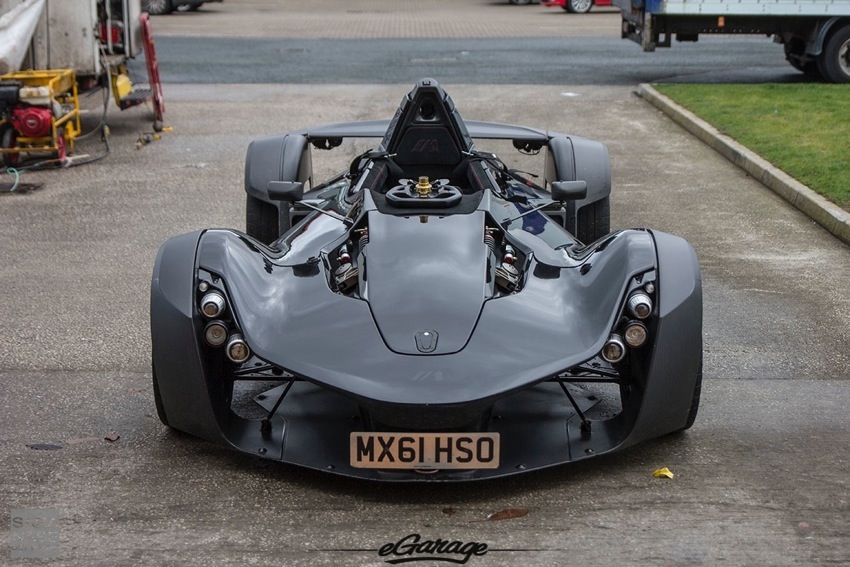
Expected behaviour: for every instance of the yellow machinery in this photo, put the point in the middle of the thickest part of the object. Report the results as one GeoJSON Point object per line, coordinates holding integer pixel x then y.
{"type": "Point", "coordinates": [39, 113]}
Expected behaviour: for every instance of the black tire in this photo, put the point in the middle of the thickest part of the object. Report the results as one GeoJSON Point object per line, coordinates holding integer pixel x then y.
{"type": "Point", "coordinates": [519, 2]}
{"type": "Point", "coordinates": [578, 6]}
{"type": "Point", "coordinates": [157, 7]}
{"type": "Point", "coordinates": [692, 414]}
{"type": "Point", "coordinates": [8, 140]}
{"type": "Point", "coordinates": [157, 398]}
{"type": "Point", "coordinates": [834, 60]}
{"type": "Point", "coordinates": [594, 221]}
{"type": "Point", "coordinates": [262, 220]}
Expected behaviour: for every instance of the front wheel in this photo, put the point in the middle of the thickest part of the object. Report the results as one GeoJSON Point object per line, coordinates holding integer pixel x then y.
{"type": "Point", "coordinates": [834, 60]}
{"type": "Point", "coordinates": [578, 6]}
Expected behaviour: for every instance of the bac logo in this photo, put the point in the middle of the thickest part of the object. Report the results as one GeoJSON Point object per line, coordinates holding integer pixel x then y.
{"type": "Point", "coordinates": [426, 146]}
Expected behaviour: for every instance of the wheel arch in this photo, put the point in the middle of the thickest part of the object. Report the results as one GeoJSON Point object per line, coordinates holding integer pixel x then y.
{"type": "Point", "coordinates": [283, 157]}
{"type": "Point", "coordinates": [824, 31]}
{"type": "Point", "coordinates": [571, 158]}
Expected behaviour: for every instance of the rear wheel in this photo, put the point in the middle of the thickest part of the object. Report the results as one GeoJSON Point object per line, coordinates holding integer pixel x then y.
{"type": "Point", "coordinates": [262, 220]}
{"type": "Point", "coordinates": [578, 6]}
{"type": "Point", "coordinates": [594, 221]}
{"type": "Point", "coordinates": [834, 60]}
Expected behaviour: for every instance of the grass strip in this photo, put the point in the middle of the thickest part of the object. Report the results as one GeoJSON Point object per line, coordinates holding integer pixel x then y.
{"type": "Point", "coordinates": [803, 129]}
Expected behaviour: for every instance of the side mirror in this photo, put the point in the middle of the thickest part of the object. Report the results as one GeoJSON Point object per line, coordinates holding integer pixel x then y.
{"type": "Point", "coordinates": [569, 190]}
{"type": "Point", "coordinates": [286, 191]}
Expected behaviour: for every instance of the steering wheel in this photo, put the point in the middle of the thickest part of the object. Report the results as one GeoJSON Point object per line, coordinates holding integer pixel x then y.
{"type": "Point", "coordinates": [424, 194]}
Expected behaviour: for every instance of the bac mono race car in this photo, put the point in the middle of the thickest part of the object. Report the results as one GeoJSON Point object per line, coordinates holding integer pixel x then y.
{"type": "Point", "coordinates": [430, 313]}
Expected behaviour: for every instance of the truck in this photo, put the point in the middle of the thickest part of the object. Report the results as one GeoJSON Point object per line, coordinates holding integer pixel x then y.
{"type": "Point", "coordinates": [815, 33]}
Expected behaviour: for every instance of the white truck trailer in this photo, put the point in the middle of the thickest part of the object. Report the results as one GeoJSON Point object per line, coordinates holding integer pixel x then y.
{"type": "Point", "coordinates": [815, 33]}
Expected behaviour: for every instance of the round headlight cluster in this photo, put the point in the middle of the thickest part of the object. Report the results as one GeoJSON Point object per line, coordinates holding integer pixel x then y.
{"type": "Point", "coordinates": [217, 332]}
{"type": "Point", "coordinates": [632, 332]}
{"type": "Point", "coordinates": [237, 349]}
{"type": "Point", "coordinates": [614, 349]}
{"type": "Point", "coordinates": [635, 334]}
{"type": "Point", "coordinates": [639, 305]}
{"type": "Point", "coordinates": [212, 304]}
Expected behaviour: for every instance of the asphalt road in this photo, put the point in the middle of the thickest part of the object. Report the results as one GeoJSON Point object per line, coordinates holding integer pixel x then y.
{"type": "Point", "coordinates": [526, 60]}
{"type": "Point", "coordinates": [761, 478]}
{"type": "Point", "coordinates": [374, 41]}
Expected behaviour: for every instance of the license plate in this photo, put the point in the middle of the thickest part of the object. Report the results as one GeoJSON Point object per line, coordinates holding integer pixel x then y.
{"type": "Point", "coordinates": [424, 450]}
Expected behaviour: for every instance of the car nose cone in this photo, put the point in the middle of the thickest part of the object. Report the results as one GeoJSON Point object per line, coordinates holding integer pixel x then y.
{"type": "Point", "coordinates": [426, 341]}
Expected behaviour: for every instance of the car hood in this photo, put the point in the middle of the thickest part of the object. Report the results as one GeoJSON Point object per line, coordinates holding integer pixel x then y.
{"type": "Point", "coordinates": [426, 280]}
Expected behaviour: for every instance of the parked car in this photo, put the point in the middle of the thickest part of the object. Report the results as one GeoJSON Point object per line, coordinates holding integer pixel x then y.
{"type": "Point", "coordinates": [576, 6]}
{"type": "Point", "coordinates": [158, 7]}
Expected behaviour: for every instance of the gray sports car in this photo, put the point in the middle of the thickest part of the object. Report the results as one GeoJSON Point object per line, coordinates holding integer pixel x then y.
{"type": "Point", "coordinates": [430, 313]}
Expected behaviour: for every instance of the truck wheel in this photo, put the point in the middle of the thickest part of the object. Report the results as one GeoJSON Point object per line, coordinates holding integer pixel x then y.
{"type": "Point", "coordinates": [594, 221]}
{"type": "Point", "coordinates": [834, 60]}
{"type": "Point", "coordinates": [579, 6]}
{"type": "Point", "coordinates": [262, 220]}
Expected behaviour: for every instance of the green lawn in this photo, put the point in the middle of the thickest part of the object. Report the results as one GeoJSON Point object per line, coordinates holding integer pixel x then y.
{"type": "Point", "coordinates": [804, 129]}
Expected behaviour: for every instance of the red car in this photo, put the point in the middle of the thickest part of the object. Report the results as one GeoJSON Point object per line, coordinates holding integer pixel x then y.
{"type": "Point", "coordinates": [576, 6]}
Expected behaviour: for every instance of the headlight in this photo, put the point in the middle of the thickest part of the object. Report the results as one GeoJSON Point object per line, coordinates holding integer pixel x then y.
{"type": "Point", "coordinates": [640, 305]}
{"type": "Point", "coordinates": [614, 349]}
{"type": "Point", "coordinates": [212, 304]}
{"type": "Point", "coordinates": [215, 333]}
{"type": "Point", "coordinates": [237, 349]}
{"type": "Point", "coordinates": [635, 334]}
